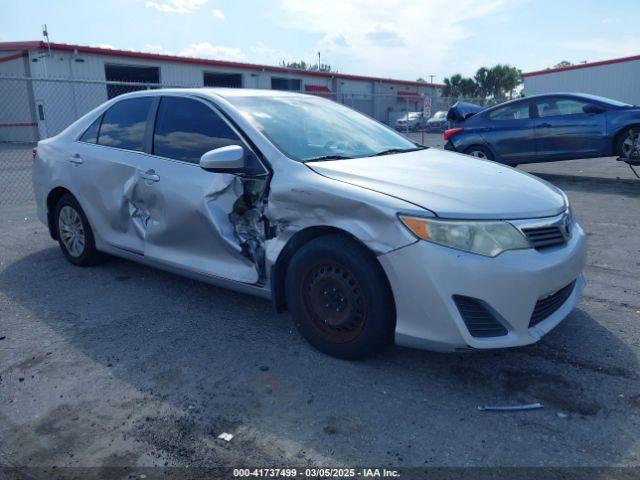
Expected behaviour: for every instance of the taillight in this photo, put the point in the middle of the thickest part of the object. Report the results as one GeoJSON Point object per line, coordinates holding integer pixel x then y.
{"type": "Point", "coordinates": [449, 133]}
{"type": "Point", "coordinates": [34, 152]}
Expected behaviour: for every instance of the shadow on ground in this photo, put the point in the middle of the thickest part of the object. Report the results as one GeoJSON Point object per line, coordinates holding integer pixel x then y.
{"type": "Point", "coordinates": [197, 360]}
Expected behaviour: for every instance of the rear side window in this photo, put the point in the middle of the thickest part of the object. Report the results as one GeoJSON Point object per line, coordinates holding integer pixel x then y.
{"type": "Point", "coordinates": [90, 135]}
{"type": "Point", "coordinates": [517, 111]}
{"type": "Point", "coordinates": [124, 124]}
{"type": "Point", "coordinates": [560, 106]}
{"type": "Point", "coordinates": [186, 129]}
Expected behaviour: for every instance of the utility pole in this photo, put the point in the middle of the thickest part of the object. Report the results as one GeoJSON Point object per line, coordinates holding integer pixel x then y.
{"type": "Point", "coordinates": [431, 77]}
{"type": "Point", "coordinates": [318, 61]}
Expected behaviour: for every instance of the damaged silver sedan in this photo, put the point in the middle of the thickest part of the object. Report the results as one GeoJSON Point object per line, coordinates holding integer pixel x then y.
{"type": "Point", "coordinates": [364, 236]}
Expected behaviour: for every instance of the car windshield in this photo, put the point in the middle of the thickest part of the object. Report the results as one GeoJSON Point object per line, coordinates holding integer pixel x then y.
{"type": "Point", "coordinates": [307, 128]}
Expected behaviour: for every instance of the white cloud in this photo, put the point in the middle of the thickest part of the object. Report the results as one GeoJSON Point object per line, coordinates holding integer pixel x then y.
{"type": "Point", "coordinates": [218, 14]}
{"type": "Point", "coordinates": [176, 6]}
{"type": "Point", "coordinates": [262, 53]}
{"type": "Point", "coordinates": [384, 35]}
{"type": "Point", "coordinates": [599, 48]}
{"type": "Point", "coordinates": [217, 52]}
{"type": "Point", "coordinates": [394, 38]}
{"type": "Point", "coordinates": [151, 48]}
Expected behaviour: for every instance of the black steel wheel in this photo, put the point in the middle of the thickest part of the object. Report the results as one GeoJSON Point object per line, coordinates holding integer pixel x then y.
{"type": "Point", "coordinates": [340, 298]}
{"type": "Point", "coordinates": [334, 300]}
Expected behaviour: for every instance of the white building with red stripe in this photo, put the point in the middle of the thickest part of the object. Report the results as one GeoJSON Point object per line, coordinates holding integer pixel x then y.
{"type": "Point", "coordinates": [618, 78]}
{"type": "Point", "coordinates": [65, 81]}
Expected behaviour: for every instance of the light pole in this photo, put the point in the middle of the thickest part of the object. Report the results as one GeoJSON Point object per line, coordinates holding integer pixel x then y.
{"type": "Point", "coordinates": [318, 61]}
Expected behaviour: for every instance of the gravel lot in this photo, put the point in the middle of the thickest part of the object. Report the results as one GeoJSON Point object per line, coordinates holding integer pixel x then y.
{"type": "Point", "coordinates": [125, 365]}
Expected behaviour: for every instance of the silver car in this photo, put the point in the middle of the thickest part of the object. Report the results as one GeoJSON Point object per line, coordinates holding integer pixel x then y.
{"type": "Point", "coordinates": [364, 236]}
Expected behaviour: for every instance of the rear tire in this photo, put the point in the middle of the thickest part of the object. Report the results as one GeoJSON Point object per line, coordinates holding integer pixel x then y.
{"type": "Point", "coordinates": [339, 298]}
{"type": "Point", "coordinates": [480, 152]}
{"type": "Point", "coordinates": [74, 233]}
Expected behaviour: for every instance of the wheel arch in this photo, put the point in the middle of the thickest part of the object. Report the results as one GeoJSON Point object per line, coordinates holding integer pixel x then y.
{"type": "Point", "coordinates": [619, 133]}
{"type": "Point", "coordinates": [293, 245]}
{"type": "Point", "coordinates": [483, 145]}
{"type": "Point", "coordinates": [52, 199]}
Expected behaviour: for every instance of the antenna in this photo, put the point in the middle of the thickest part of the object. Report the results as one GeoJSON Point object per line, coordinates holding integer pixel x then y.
{"type": "Point", "coordinates": [45, 34]}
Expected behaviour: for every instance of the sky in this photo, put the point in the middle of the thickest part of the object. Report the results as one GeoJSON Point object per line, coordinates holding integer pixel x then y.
{"type": "Point", "coordinates": [403, 39]}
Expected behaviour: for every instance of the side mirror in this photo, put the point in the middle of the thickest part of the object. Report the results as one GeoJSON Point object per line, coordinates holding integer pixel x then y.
{"type": "Point", "coordinates": [592, 108]}
{"type": "Point", "coordinates": [227, 158]}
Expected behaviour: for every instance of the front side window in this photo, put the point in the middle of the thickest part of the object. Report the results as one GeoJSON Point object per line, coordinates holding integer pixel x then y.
{"type": "Point", "coordinates": [310, 128]}
{"type": "Point", "coordinates": [186, 129]}
{"type": "Point", "coordinates": [559, 106]}
{"type": "Point", "coordinates": [516, 111]}
{"type": "Point", "coordinates": [124, 124]}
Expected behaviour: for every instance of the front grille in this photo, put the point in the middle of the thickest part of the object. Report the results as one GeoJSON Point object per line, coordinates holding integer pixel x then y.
{"type": "Point", "coordinates": [479, 321]}
{"type": "Point", "coordinates": [544, 237]}
{"type": "Point", "coordinates": [548, 305]}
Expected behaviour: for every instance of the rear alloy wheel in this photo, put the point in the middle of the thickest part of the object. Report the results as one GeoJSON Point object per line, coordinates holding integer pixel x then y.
{"type": "Point", "coordinates": [479, 152]}
{"type": "Point", "coordinates": [74, 233]}
{"type": "Point", "coordinates": [339, 298]}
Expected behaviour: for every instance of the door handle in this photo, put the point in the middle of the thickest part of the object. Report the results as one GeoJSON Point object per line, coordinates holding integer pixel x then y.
{"type": "Point", "coordinates": [76, 159]}
{"type": "Point", "coordinates": [150, 175]}
{"type": "Point", "coordinates": [544, 125]}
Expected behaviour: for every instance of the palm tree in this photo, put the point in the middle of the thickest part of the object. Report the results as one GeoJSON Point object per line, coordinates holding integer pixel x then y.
{"type": "Point", "coordinates": [452, 86]}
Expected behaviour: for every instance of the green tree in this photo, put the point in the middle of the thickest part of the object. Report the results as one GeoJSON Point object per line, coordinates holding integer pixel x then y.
{"type": "Point", "coordinates": [563, 63]}
{"type": "Point", "coordinates": [452, 86]}
{"type": "Point", "coordinates": [311, 67]}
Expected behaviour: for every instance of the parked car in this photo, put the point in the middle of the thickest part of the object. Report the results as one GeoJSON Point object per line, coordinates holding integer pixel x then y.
{"type": "Point", "coordinates": [363, 235]}
{"type": "Point", "coordinates": [412, 121]}
{"type": "Point", "coordinates": [540, 128]}
{"type": "Point", "coordinates": [437, 123]}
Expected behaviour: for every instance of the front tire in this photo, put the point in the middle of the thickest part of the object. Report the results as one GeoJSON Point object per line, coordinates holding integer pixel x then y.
{"type": "Point", "coordinates": [74, 233]}
{"type": "Point", "coordinates": [339, 298]}
{"type": "Point", "coordinates": [624, 143]}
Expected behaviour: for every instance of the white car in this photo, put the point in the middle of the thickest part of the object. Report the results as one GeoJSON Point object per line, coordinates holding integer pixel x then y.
{"type": "Point", "coordinates": [412, 121]}
{"type": "Point", "coordinates": [364, 236]}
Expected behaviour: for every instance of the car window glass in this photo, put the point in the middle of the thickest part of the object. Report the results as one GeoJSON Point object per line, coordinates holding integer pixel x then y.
{"type": "Point", "coordinates": [90, 135]}
{"type": "Point", "coordinates": [559, 106]}
{"type": "Point", "coordinates": [517, 111]}
{"type": "Point", "coordinates": [124, 124]}
{"type": "Point", "coordinates": [186, 129]}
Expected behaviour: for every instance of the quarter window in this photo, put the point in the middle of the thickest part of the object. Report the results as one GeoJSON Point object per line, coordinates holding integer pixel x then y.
{"type": "Point", "coordinates": [124, 124]}
{"type": "Point", "coordinates": [517, 111]}
{"type": "Point", "coordinates": [186, 129]}
{"type": "Point", "coordinates": [559, 106]}
{"type": "Point", "coordinates": [90, 135]}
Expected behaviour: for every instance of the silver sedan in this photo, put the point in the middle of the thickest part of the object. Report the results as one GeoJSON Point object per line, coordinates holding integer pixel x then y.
{"type": "Point", "coordinates": [364, 236]}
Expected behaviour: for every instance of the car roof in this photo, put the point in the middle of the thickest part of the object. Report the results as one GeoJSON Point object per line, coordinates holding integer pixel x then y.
{"type": "Point", "coordinates": [215, 92]}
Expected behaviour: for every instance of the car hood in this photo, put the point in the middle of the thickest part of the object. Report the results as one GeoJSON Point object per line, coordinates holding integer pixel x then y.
{"type": "Point", "coordinates": [450, 185]}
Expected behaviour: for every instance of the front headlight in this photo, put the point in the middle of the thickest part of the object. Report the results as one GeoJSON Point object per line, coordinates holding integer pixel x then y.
{"type": "Point", "coordinates": [487, 238]}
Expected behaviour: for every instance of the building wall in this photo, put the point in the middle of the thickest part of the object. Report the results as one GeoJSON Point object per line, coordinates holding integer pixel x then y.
{"type": "Point", "coordinates": [16, 106]}
{"type": "Point", "coordinates": [618, 81]}
{"type": "Point", "coordinates": [63, 101]}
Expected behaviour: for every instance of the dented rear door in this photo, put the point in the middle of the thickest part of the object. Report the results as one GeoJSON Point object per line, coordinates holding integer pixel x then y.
{"type": "Point", "coordinates": [200, 221]}
{"type": "Point", "coordinates": [106, 164]}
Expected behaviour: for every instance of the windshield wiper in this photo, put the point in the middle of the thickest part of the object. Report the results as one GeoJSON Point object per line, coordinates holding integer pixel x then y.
{"type": "Point", "coordinates": [328, 157]}
{"type": "Point", "coordinates": [397, 150]}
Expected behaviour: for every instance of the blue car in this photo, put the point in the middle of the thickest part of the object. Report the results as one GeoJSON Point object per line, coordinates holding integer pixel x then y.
{"type": "Point", "coordinates": [541, 128]}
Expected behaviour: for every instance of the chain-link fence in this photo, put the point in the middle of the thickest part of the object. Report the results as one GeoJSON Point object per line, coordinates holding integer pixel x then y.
{"type": "Point", "coordinates": [33, 109]}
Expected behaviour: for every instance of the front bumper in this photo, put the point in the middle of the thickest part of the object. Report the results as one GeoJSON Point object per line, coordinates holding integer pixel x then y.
{"type": "Point", "coordinates": [425, 276]}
